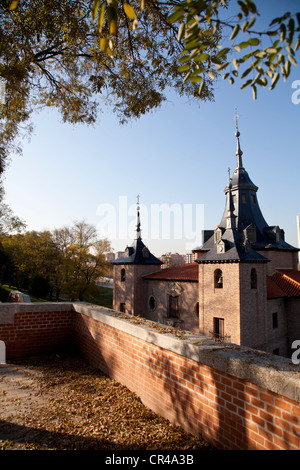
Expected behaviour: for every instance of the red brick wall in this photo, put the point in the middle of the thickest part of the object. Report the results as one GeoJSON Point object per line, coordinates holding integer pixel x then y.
{"type": "Point", "coordinates": [229, 411]}
{"type": "Point", "coordinates": [37, 332]}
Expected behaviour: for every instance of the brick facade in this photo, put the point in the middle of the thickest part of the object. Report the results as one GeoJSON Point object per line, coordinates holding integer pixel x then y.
{"type": "Point", "coordinates": [129, 292]}
{"type": "Point", "coordinates": [235, 397]}
{"type": "Point", "coordinates": [34, 329]}
{"type": "Point", "coordinates": [222, 302]}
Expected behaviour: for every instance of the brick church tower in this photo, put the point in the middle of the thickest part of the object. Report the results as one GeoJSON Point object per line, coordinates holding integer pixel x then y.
{"type": "Point", "coordinates": [236, 258]}
{"type": "Point", "coordinates": [130, 294]}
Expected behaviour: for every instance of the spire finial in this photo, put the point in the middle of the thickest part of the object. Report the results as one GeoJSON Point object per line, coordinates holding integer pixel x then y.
{"type": "Point", "coordinates": [138, 222]}
{"type": "Point", "coordinates": [238, 152]}
{"type": "Point", "coordinates": [236, 117]}
{"type": "Point", "coordinates": [229, 177]}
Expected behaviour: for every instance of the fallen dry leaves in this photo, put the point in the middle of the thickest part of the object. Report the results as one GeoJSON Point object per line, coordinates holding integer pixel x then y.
{"type": "Point", "coordinates": [74, 406]}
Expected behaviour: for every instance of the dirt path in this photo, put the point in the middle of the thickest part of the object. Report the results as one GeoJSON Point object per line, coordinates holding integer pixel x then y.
{"type": "Point", "coordinates": [61, 403]}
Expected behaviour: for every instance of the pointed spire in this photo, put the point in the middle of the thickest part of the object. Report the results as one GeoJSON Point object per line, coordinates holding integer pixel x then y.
{"type": "Point", "coordinates": [231, 217]}
{"type": "Point", "coordinates": [138, 222]}
{"type": "Point", "coordinates": [238, 152]}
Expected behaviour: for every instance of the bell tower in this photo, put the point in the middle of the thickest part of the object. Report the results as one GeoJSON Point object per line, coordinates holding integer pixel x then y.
{"type": "Point", "coordinates": [232, 273]}
{"type": "Point", "coordinates": [129, 294]}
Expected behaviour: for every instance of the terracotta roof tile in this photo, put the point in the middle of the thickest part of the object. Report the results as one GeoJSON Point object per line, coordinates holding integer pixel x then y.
{"type": "Point", "coordinates": [273, 291]}
{"type": "Point", "coordinates": [288, 280]}
{"type": "Point", "coordinates": [182, 272]}
{"type": "Point", "coordinates": [294, 274]}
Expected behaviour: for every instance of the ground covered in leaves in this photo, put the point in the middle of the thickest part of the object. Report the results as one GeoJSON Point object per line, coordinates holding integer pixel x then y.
{"type": "Point", "coordinates": [59, 402]}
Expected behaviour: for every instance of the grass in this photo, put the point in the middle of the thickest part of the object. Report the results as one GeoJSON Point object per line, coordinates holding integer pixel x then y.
{"type": "Point", "coordinates": [102, 296]}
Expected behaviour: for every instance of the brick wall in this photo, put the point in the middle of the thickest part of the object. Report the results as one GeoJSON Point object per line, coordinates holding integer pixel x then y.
{"type": "Point", "coordinates": [29, 329]}
{"type": "Point", "coordinates": [235, 397]}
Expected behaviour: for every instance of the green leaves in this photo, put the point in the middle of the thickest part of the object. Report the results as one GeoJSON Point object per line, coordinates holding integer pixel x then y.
{"type": "Point", "coordinates": [235, 32]}
{"type": "Point", "coordinates": [250, 56]}
{"type": "Point", "coordinates": [204, 57]}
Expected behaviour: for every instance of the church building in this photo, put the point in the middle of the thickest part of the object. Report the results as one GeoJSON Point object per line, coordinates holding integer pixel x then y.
{"type": "Point", "coordinates": [243, 287]}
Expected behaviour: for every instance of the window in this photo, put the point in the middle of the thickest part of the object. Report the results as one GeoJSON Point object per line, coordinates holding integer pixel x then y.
{"type": "Point", "coordinates": [250, 233]}
{"type": "Point", "coordinates": [275, 320]}
{"type": "Point", "coordinates": [173, 307]}
{"type": "Point", "coordinates": [152, 303]}
{"type": "Point", "coordinates": [123, 275]}
{"type": "Point", "coordinates": [218, 279]}
{"type": "Point", "coordinates": [196, 309]}
{"type": "Point", "coordinates": [244, 198]}
{"type": "Point", "coordinates": [276, 351]}
{"type": "Point", "coordinates": [218, 332]}
{"type": "Point", "coordinates": [218, 234]}
{"type": "Point", "coordinates": [122, 308]}
{"type": "Point", "coordinates": [253, 198]}
{"type": "Point", "coordinates": [278, 236]}
{"type": "Point", "coordinates": [253, 279]}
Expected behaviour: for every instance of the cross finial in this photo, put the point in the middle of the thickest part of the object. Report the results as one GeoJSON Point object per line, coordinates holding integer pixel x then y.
{"type": "Point", "coordinates": [138, 199]}
{"type": "Point", "coordinates": [229, 174]}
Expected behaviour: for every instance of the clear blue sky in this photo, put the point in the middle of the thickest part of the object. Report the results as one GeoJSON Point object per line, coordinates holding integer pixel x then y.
{"type": "Point", "coordinates": [178, 155]}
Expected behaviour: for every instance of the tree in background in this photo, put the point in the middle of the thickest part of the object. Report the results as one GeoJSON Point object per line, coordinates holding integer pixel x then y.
{"type": "Point", "coordinates": [33, 257]}
{"type": "Point", "coordinates": [9, 223]}
{"type": "Point", "coordinates": [82, 259]}
{"type": "Point", "coordinates": [66, 261]}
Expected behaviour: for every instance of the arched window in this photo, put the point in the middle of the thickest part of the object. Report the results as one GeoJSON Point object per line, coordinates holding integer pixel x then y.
{"type": "Point", "coordinates": [196, 309]}
{"type": "Point", "coordinates": [123, 275]}
{"type": "Point", "coordinates": [253, 279]}
{"type": "Point", "coordinates": [152, 303]}
{"type": "Point", "coordinates": [218, 279]}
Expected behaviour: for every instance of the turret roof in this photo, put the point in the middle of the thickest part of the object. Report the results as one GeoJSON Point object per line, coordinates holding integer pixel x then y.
{"type": "Point", "coordinates": [243, 229]}
{"type": "Point", "coordinates": [137, 253]}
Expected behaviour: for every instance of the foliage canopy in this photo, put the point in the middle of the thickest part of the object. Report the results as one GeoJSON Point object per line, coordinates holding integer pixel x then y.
{"type": "Point", "coordinates": [76, 55]}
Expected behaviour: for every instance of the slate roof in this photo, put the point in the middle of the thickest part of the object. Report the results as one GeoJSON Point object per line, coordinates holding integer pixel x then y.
{"type": "Point", "coordinates": [137, 253]}
{"type": "Point", "coordinates": [241, 212]}
{"type": "Point", "coordinates": [235, 251]}
{"type": "Point", "coordinates": [182, 272]}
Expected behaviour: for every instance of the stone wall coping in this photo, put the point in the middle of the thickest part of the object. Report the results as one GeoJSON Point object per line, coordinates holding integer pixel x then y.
{"type": "Point", "coordinates": [274, 373]}
{"type": "Point", "coordinates": [9, 309]}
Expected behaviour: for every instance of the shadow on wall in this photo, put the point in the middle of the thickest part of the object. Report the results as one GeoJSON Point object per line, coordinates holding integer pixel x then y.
{"type": "Point", "coordinates": [214, 404]}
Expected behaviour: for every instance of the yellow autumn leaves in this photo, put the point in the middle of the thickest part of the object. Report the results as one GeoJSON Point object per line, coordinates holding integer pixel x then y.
{"type": "Point", "coordinates": [107, 13]}
{"type": "Point", "coordinates": [13, 5]}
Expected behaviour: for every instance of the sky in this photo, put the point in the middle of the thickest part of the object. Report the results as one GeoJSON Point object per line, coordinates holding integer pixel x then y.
{"type": "Point", "coordinates": [176, 159]}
